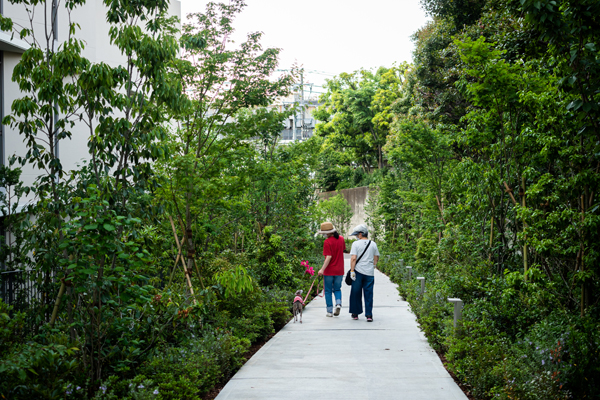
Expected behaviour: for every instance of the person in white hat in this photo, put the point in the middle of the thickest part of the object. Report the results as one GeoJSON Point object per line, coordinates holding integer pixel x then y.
{"type": "Point", "coordinates": [364, 257]}
{"type": "Point", "coordinates": [333, 267]}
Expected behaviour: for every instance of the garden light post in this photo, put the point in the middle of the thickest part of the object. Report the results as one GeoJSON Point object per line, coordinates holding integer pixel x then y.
{"type": "Point", "coordinates": [422, 279]}
{"type": "Point", "coordinates": [458, 306]}
{"type": "Point", "coordinates": [409, 272]}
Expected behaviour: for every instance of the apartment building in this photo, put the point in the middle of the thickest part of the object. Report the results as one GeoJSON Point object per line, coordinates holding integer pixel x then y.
{"type": "Point", "coordinates": [301, 125]}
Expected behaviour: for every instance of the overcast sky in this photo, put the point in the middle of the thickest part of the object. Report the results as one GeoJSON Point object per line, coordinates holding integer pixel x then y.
{"type": "Point", "coordinates": [330, 36]}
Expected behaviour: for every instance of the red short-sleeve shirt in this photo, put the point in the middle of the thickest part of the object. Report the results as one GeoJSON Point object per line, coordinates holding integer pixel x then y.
{"type": "Point", "coordinates": [335, 248]}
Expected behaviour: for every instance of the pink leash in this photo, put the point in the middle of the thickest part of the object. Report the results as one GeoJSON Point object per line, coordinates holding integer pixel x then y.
{"type": "Point", "coordinates": [311, 286]}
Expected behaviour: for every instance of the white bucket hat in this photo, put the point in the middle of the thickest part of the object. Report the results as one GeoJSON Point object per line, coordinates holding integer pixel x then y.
{"type": "Point", "coordinates": [362, 228]}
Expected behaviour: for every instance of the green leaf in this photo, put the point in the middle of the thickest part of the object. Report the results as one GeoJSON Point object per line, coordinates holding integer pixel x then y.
{"type": "Point", "coordinates": [574, 105]}
{"type": "Point", "coordinates": [91, 226]}
{"type": "Point", "coordinates": [109, 227]}
{"type": "Point", "coordinates": [87, 271]}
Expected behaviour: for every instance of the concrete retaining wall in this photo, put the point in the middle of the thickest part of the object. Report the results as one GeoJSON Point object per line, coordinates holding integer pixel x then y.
{"type": "Point", "coordinates": [357, 198]}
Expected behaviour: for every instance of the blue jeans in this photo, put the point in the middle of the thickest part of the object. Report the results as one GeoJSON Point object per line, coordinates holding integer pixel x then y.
{"type": "Point", "coordinates": [333, 283]}
{"type": "Point", "coordinates": [363, 283]}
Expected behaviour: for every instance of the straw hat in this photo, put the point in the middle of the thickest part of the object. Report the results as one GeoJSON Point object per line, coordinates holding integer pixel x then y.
{"type": "Point", "coordinates": [326, 227]}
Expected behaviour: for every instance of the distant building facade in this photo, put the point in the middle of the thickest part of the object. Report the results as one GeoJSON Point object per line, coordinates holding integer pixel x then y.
{"type": "Point", "coordinates": [301, 125]}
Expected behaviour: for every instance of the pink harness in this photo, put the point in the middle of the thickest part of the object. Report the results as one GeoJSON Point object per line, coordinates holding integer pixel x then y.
{"type": "Point", "coordinates": [298, 298]}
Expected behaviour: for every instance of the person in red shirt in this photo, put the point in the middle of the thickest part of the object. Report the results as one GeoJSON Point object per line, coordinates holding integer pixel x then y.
{"type": "Point", "coordinates": [333, 267]}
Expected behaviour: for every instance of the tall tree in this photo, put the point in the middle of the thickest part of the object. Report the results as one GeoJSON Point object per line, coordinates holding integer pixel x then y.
{"type": "Point", "coordinates": [355, 113]}
{"type": "Point", "coordinates": [220, 81]}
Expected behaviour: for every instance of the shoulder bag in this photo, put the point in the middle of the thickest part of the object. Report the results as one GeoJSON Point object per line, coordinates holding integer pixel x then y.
{"type": "Point", "coordinates": [348, 279]}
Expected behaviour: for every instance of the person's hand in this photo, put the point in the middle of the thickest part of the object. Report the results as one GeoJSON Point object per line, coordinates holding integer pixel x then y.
{"type": "Point", "coordinates": [353, 275]}
{"type": "Point", "coordinates": [320, 272]}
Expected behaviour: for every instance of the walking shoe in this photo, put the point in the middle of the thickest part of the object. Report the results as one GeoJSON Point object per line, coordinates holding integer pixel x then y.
{"type": "Point", "coordinates": [354, 316]}
{"type": "Point", "coordinates": [329, 314]}
{"type": "Point", "coordinates": [338, 308]}
{"type": "Point", "coordinates": [369, 319]}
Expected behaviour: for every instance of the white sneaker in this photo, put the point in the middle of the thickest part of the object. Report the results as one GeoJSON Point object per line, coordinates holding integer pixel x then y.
{"type": "Point", "coordinates": [338, 308]}
{"type": "Point", "coordinates": [329, 314]}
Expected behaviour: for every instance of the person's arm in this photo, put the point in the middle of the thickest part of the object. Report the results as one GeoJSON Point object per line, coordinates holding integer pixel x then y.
{"type": "Point", "coordinates": [325, 264]}
{"type": "Point", "coordinates": [353, 260]}
{"type": "Point", "coordinates": [375, 255]}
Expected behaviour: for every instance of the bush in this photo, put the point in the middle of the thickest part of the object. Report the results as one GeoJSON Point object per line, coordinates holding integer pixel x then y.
{"type": "Point", "coordinates": [35, 370]}
{"type": "Point", "coordinates": [185, 372]}
{"type": "Point", "coordinates": [474, 352]}
{"type": "Point", "coordinates": [273, 268]}
{"type": "Point", "coordinates": [190, 371]}
{"type": "Point", "coordinates": [254, 325]}
{"type": "Point", "coordinates": [138, 388]}
{"type": "Point", "coordinates": [30, 369]}
{"type": "Point", "coordinates": [278, 304]}
{"type": "Point", "coordinates": [12, 328]}
{"type": "Point", "coordinates": [557, 359]}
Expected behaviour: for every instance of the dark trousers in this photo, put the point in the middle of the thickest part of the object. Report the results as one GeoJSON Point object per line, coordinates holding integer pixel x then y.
{"type": "Point", "coordinates": [363, 283]}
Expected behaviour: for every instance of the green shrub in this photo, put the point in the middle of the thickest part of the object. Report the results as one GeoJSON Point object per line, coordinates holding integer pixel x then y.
{"type": "Point", "coordinates": [435, 316]}
{"type": "Point", "coordinates": [474, 352]}
{"type": "Point", "coordinates": [12, 328]}
{"type": "Point", "coordinates": [426, 245]}
{"type": "Point", "coordinates": [278, 305]}
{"type": "Point", "coordinates": [35, 370]}
{"type": "Point", "coordinates": [186, 372]}
{"type": "Point", "coordinates": [137, 388]}
{"type": "Point", "coordinates": [557, 359]}
{"type": "Point", "coordinates": [273, 268]}
{"type": "Point", "coordinates": [254, 325]}
{"type": "Point", "coordinates": [193, 369]}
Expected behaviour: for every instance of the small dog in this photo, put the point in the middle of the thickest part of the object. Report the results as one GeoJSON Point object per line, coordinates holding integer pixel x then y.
{"type": "Point", "coordinates": [297, 307]}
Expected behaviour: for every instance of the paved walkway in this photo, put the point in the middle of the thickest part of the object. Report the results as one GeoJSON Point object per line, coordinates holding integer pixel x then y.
{"type": "Point", "coordinates": [339, 358]}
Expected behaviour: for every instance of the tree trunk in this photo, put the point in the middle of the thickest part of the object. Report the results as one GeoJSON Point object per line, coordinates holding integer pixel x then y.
{"type": "Point", "coordinates": [584, 289]}
{"type": "Point", "coordinates": [525, 267]}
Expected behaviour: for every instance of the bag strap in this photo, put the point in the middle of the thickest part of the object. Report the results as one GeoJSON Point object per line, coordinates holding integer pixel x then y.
{"type": "Point", "coordinates": [363, 253]}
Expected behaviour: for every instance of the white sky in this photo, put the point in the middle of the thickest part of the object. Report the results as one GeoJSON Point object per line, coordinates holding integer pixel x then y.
{"type": "Point", "coordinates": [330, 36]}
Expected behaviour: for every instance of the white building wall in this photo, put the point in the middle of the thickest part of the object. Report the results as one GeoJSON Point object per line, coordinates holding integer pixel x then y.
{"type": "Point", "coordinates": [93, 30]}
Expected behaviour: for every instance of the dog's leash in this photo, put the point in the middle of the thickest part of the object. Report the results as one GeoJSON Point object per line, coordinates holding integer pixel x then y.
{"type": "Point", "coordinates": [311, 286]}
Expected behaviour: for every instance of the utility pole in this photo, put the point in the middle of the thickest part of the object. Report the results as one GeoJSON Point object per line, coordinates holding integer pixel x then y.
{"type": "Point", "coordinates": [302, 128]}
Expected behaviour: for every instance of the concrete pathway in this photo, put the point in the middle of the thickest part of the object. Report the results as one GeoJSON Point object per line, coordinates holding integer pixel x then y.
{"type": "Point", "coordinates": [339, 358]}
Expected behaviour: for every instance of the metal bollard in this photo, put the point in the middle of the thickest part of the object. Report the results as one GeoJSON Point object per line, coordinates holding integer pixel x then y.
{"type": "Point", "coordinates": [409, 272]}
{"type": "Point", "coordinates": [458, 306]}
{"type": "Point", "coordinates": [422, 279]}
